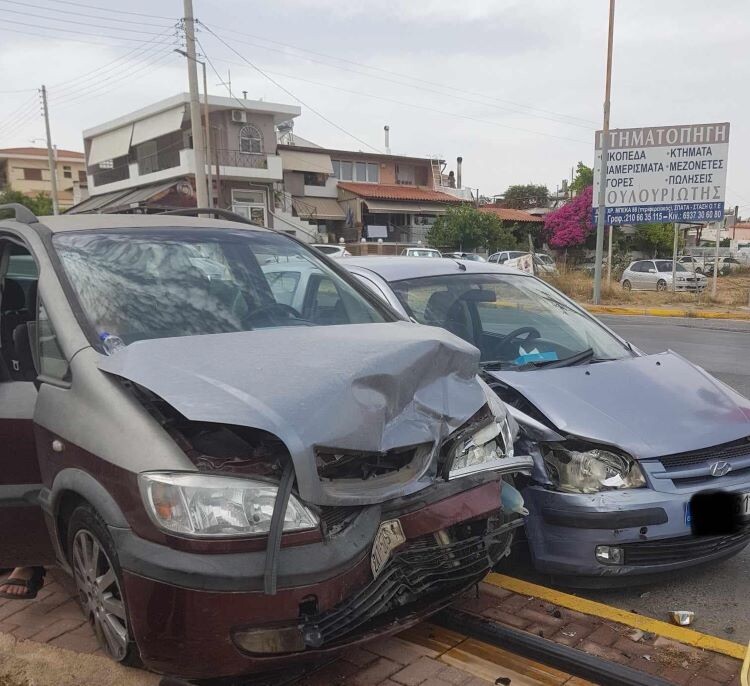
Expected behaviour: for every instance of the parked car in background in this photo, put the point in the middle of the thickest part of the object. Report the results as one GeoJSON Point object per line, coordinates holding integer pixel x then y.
{"type": "Point", "coordinates": [420, 252]}
{"type": "Point", "coordinates": [505, 255]}
{"type": "Point", "coordinates": [544, 263]}
{"type": "Point", "coordinates": [727, 265]}
{"type": "Point", "coordinates": [621, 440]}
{"type": "Point", "coordinates": [656, 275]}
{"type": "Point", "coordinates": [185, 444]}
{"type": "Point", "coordinates": [470, 256]}
{"type": "Point", "coordinates": [589, 265]}
{"type": "Point", "coordinates": [691, 263]}
{"type": "Point", "coordinates": [331, 249]}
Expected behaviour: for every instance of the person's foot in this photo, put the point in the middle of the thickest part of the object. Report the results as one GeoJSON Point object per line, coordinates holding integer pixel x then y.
{"type": "Point", "coordinates": [21, 573]}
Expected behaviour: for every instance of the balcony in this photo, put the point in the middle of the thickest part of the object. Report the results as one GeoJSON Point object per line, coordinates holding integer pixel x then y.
{"type": "Point", "coordinates": [158, 161]}
{"type": "Point", "coordinates": [236, 158]}
{"type": "Point", "coordinates": [249, 166]}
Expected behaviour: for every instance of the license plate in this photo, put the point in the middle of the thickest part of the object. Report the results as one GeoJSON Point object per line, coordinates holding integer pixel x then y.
{"type": "Point", "coordinates": [389, 537]}
{"type": "Point", "coordinates": [743, 508]}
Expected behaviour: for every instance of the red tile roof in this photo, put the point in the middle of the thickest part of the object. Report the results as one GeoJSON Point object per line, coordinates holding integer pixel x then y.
{"type": "Point", "coordinates": [381, 191]}
{"type": "Point", "coordinates": [41, 152]}
{"type": "Point", "coordinates": [509, 215]}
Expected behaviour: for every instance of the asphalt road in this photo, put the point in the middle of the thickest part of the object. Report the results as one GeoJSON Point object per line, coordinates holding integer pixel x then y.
{"type": "Point", "coordinates": [719, 594]}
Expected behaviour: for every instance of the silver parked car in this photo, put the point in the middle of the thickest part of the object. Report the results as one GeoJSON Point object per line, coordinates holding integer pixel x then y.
{"type": "Point", "coordinates": [621, 440]}
{"type": "Point", "coordinates": [420, 252]}
{"type": "Point", "coordinates": [331, 249]}
{"type": "Point", "coordinates": [656, 275]}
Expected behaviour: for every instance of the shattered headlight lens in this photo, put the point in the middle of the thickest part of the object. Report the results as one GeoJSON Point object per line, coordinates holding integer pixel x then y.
{"type": "Point", "coordinates": [589, 471]}
{"type": "Point", "coordinates": [204, 505]}
{"type": "Point", "coordinates": [488, 446]}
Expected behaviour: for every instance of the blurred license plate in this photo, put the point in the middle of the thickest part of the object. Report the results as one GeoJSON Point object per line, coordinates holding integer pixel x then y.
{"type": "Point", "coordinates": [389, 537]}
{"type": "Point", "coordinates": [742, 508]}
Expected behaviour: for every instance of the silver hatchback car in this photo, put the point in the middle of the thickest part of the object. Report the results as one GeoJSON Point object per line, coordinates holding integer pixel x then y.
{"type": "Point", "coordinates": [656, 275]}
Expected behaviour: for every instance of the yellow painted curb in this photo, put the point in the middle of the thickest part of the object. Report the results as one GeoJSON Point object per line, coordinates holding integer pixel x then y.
{"type": "Point", "coordinates": [664, 312]}
{"type": "Point", "coordinates": [676, 633]}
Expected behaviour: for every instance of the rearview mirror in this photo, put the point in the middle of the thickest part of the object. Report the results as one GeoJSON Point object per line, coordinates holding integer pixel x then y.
{"type": "Point", "coordinates": [479, 296]}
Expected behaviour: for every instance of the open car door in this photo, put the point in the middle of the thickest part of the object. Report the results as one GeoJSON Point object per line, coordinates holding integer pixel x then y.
{"type": "Point", "coordinates": [24, 537]}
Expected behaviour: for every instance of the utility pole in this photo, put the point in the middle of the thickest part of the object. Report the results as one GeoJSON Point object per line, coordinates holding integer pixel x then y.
{"type": "Point", "coordinates": [674, 261]}
{"type": "Point", "coordinates": [50, 154]}
{"type": "Point", "coordinates": [210, 180]}
{"type": "Point", "coordinates": [603, 165]}
{"type": "Point", "coordinates": [718, 226]}
{"type": "Point", "coordinates": [195, 110]}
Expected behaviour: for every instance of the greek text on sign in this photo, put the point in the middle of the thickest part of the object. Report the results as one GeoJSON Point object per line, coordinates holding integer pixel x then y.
{"type": "Point", "coordinates": [664, 173]}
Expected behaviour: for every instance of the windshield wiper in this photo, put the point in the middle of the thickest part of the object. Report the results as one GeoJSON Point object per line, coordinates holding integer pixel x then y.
{"type": "Point", "coordinates": [583, 356]}
{"type": "Point", "coordinates": [495, 364]}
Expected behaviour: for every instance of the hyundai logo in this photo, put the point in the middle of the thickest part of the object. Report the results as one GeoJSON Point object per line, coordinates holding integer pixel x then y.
{"type": "Point", "coordinates": [720, 468]}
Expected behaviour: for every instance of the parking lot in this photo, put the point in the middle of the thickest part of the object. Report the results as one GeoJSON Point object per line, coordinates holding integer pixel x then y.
{"type": "Point", "coordinates": [717, 594]}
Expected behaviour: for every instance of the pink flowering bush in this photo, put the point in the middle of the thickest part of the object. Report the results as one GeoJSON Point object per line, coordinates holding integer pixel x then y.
{"type": "Point", "coordinates": [569, 226]}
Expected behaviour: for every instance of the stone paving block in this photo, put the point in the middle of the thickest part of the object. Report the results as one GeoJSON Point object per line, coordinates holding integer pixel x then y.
{"type": "Point", "coordinates": [717, 673]}
{"type": "Point", "coordinates": [376, 673]}
{"type": "Point", "coordinates": [604, 652]}
{"type": "Point", "coordinates": [541, 630]}
{"type": "Point", "coordinates": [494, 591]}
{"type": "Point", "coordinates": [476, 605]}
{"type": "Point", "coordinates": [725, 663]}
{"type": "Point", "coordinates": [676, 675]}
{"type": "Point", "coordinates": [542, 618]}
{"type": "Point", "coordinates": [514, 603]}
{"type": "Point", "coordinates": [603, 635]}
{"type": "Point", "coordinates": [78, 642]}
{"type": "Point", "coordinates": [643, 665]}
{"type": "Point", "coordinates": [337, 673]}
{"type": "Point", "coordinates": [634, 649]}
{"type": "Point", "coordinates": [359, 656]}
{"type": "Point", "coordinates": [399, 650]}
{"type": "Point", "coordinates": [572, 634]}
{"type": "Point", "coordinates": [452, 676]}
{"type": "Point", "coordinates": [54, 629]}
{"type": "Point", "coordinates": [418, 671]}
{"type": "Point", "coordinates": [505, 618]}
{"type": "Point", "coordinates": [704, 681]}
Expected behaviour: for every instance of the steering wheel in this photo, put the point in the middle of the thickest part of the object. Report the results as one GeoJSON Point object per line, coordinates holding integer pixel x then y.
{"type": "Point", "coordinates": [530, 331]}
{"type": "Point", "coordinates": [265, 310]}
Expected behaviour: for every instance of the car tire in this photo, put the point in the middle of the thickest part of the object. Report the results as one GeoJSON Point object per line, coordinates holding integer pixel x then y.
{"type": "Point", "coordinates": [627, 286]}
{"type": "Point", "coordinates": [98, 578]}
{"type": "Point", "coordinates": [661, 285]}
{"type": "Point", "coordinates": [698, 270]}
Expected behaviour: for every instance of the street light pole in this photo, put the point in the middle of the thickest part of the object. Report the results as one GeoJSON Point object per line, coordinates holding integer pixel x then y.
{"type": "Point", "coordinates": [603, 165]}
{"type": "Point", "coordinates": [195, 112]}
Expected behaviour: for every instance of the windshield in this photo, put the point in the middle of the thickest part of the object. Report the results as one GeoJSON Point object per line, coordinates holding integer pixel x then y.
{"type": "Point", "coordinates": [141, 284]}
{"type": "Point", "coordinates": [423, 253]}
{"type": "Point", "coordinates": [514, 320]}
{"type": "Point", "coordinates": [328, 249]}
{"type": "Point", "coordinates": [667, 267]}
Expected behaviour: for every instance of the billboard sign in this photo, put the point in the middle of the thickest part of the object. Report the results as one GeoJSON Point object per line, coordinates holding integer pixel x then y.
{"type": "Point", "coordinates": [664, 173]}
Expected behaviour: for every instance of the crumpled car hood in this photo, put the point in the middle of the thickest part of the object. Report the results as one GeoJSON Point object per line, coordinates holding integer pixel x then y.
{"type": "Point", "coordinates": [368, 387]}
{"type": "Point", "coordinates": [648, 406]}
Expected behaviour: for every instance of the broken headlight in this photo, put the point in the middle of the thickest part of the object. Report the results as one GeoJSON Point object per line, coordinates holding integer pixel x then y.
{"type": "Point", "coordinates": [487, 446]}
{"type": "Point", "coordinates": [204, 505]}
{"type": "Point", "coordinates": [589, 471]}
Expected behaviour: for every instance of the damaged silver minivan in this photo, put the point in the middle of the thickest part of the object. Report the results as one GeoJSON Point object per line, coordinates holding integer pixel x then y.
{"type": "Point", "coordinates": [233, 481]}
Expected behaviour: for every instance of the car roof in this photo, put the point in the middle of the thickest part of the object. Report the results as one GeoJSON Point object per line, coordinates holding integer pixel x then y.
{"type": "Point", "coordinates": [88, 222]}
{"type": "Point", "coordinates": [398, 268]}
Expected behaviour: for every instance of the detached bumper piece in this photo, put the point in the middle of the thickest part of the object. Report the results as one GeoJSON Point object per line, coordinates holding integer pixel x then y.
{"type": "Point", "coordinates": [420, 574]}
{"type": "Point", "coordinates": [684, 549]}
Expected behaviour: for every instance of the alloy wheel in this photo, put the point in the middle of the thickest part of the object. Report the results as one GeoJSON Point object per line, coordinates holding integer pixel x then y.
{"type": "Point", "coordinates": [626, 285]}
{"type": "Point", "coordinates": [661, 285]}
{"type": "Point", "coordinates": [100, 594]}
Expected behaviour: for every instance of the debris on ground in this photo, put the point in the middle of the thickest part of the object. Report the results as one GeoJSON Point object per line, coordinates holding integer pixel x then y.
{"type": "Point", "coordinates": [682, 617]}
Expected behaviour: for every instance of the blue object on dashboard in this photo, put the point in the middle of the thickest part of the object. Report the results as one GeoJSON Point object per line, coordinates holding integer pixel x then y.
{"type": "Point", "coordinates": [536, 357]}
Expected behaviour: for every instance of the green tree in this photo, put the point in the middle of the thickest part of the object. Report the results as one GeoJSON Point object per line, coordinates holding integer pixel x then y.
{"type": "Point", "coordinates": [463, 227]}
{"type": "Point", "coordinates": [657, 239]}
{"type": "Point", "coordinates": [526, 196]}
{"type": "Point", "coordinates": [40, 204]}
{"type": "Point", "coordinates": [584, 177]}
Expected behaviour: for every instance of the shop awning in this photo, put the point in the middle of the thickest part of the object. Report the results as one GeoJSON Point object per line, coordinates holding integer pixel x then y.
{"type": "Point", "coordinates": [95, 202]}
{"type": "Point", "coordinates": [158, 125]}
{"type": "Point", "coordinates": [119, 201]}
{"type": "Point", "coordinates": [318, 208]}
{"type": "Point", "coordinates": [390, 207]}
{"type": "Point", "coordinates": [110, 145]}
{"type": "Point", "coordinates": [292, 160]}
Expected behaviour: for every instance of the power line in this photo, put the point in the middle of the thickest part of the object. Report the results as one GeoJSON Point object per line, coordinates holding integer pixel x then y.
{"type": "Point", "coordinates": [15, 12]}
{"type": "Point", "coordinates": [286, 90]}
{"type": "Point", "coordinates": [88, 15]}
{"type": "Point", "coordinates": [84, 33]}
{"type": "Point", "coordinates": [20, 90]}
{"type": "Point", "coordinates": [423, 107]}
{"type": "Point", "coordinates": [23, 107]}
{"type": "Point", "coordinates": [66, 39]}
{"type": "Point", "coordinates": [587, 122]}
{"type": "Point", "coordinates": [107, 9]}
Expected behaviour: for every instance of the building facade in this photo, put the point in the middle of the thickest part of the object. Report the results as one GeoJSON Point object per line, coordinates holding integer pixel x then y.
{"type": "Point", "coordinates": [358, 195]}
{"type": "Point", "coordinates": [27, 170]}
{"type": "Point", "coordinates": [144, 161]}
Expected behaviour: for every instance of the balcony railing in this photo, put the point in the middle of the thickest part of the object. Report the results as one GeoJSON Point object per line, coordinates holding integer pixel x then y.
{"type": "Point", "coordinates": [103, 176]}
{"type": "Point", "coordinates": [237, 158]}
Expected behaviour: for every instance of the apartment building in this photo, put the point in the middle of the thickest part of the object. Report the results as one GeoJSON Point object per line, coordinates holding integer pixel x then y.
{"type": "Point", "coordinates": [144, 161]}
{"type": "Point", "coordinates": [27, 170]}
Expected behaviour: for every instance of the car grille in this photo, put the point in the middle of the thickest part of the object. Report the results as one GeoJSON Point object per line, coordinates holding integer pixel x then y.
{"type": "Point", "coordinates": [726, 452]}
{"type": "Point", "coordinates": [684, 549]}
{"type": "Point", "coordinates": [420, 573]}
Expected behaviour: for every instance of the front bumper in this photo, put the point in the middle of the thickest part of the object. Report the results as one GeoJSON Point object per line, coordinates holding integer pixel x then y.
{"type": "Point", "coordinates": [185, 608]}
{"type": "Point", "coordinates": [564, 530]}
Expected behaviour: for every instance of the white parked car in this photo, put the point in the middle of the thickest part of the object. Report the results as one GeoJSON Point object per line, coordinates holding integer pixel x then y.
{"type": "Point", "coordinates": [656, 275]}
{"type": "Point", "coordinates": [332, 250]}
{"type": "Point", "coordinates": [504, 255]}
{"type": "Point", "coordinates": [420, 252]}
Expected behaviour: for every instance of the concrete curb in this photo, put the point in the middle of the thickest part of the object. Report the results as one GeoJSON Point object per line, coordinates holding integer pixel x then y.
{"type": "Point", "coordinates": [665, 312]}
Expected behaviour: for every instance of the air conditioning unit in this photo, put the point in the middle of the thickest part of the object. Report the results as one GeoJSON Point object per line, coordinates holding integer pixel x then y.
{"type": "Point", "coordinates": [239, 116]}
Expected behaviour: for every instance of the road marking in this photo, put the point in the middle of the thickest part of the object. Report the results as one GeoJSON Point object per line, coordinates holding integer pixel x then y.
{"type": "Point", "coordinates": [591, 607]}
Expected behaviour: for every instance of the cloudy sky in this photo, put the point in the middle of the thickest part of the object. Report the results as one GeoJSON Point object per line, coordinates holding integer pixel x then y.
{"type": "Point", "coordinates": [514, 86]}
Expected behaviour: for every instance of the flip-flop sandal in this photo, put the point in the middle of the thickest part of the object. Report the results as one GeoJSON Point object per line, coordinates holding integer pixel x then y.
{"type": "Point", "coordinates": [32, 585]}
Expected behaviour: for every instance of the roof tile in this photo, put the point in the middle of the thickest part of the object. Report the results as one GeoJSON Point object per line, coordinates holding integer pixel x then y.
{"type": "Point", "coordinates": [510, 215]}
{"type": "Point", "coordinates": [41, 152]}
{"type": "Point", "coordinates": [380, 191]}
